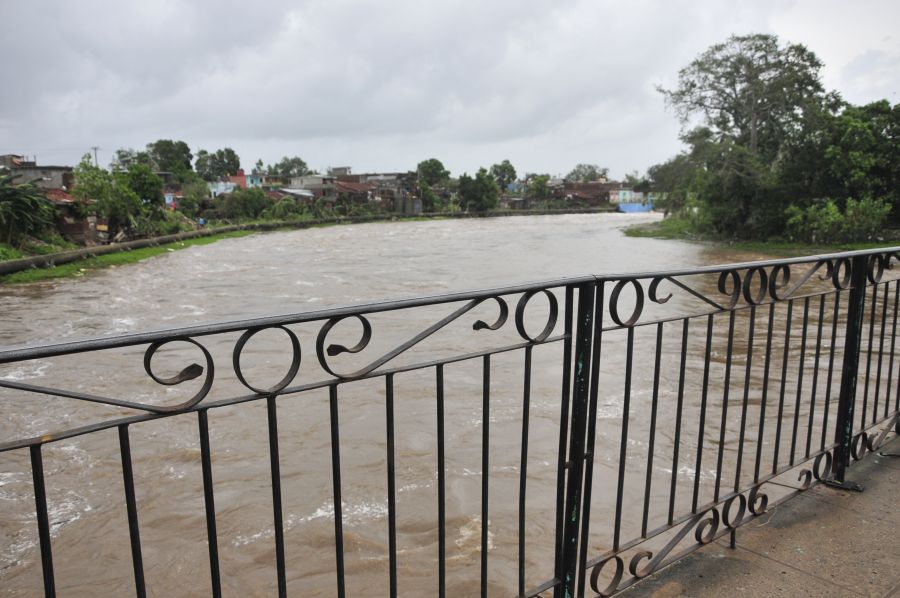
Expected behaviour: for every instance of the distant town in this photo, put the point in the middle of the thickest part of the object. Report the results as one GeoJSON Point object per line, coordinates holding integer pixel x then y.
{"type": "Point", "coordinates": [165, 189]}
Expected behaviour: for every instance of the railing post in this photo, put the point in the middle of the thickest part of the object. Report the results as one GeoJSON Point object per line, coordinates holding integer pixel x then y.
{"type": "Point", "coordinates": [575, 465]}
{"type": "Point", "coordinates": [843, 435]}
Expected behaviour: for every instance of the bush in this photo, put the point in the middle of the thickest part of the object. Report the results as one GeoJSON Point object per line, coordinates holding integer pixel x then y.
{"type": "Point", "coordinates": [823, 222]}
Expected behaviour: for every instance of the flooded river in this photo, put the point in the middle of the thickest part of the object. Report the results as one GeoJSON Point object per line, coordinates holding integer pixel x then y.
{"type": "Point", "coordinates": [297, 271]}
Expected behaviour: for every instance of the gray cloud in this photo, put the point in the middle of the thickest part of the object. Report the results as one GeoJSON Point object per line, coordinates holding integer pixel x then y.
{"type": "Point", "coordinates": [372, 85]}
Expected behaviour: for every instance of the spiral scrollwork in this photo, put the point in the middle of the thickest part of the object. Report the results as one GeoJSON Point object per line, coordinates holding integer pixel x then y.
{"type": "Point", "coordinates": [735, 293]}
{"type": "Point", "coordinates": [747, 287]}
{"type": "Point", "coordinates": [292, 370]}
{"type": "Point", "coordinates": [874, 442]}
{"type": "Point", "coordinates": [638, 303]}
{"type": "Point", "coordinates": [875, 268]}
{"type": "Point", "coordinates": [757, 502]}
{"type": "Point", "coordinates": [858, 446]}
{"type": "Point", "coordinates": [324, 350]}
{"type": "Point", "coordinates": [614, 582]}
{"type": "Point", "coordinates": [190, 372]}
{"type": "Point", "coordinates": [707, 528]}
{"type": "Point", "coordinates": [732, 523]}
{"type": "Point", "coordinates": [551, 317]}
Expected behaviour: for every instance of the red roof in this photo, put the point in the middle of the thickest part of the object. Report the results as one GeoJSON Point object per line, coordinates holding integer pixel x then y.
{"type": "Point", "coordinates": [59, 196]}
{"type": "Point", "coordinates": [345, 187]}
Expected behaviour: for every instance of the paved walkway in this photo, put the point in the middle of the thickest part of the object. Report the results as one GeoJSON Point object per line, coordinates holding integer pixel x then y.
{"type": "Point", "coordinates": [824, 542]}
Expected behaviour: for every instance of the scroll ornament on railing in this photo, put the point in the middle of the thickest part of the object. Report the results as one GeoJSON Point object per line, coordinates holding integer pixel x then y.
{"type": "Point", "coordinates": [754, 285]}
{"type": "Point", "coordinates": [323, 352]}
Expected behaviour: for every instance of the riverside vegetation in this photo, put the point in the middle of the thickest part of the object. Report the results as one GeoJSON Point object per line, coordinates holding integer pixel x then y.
{"type": "Point", "coordinates": [772, 156]}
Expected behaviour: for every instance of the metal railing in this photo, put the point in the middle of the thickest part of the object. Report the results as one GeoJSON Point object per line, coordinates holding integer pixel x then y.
{"type": "Point", "coordinates": [780, 373]}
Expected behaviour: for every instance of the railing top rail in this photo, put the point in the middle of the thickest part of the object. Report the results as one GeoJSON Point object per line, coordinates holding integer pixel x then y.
{"type": "Point", "coordinates": [112, 342]}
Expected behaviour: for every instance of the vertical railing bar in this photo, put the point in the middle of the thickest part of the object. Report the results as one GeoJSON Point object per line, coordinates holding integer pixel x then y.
{"type": "Point", "coordinates": [391, 481]}
{"type": "Point", "coordinates": [884, 304]}
{"type": "Point", "coordinates": [843, 433]}
{"type": "Point", "coordinates": [748, 367]}
{"type": "Point", "coordinates": [209, 501]}
{"type": "Point", "coordinates": [890, 376]}
{"type": "Point", "coordinates": [702, 424]}
{"type": "Point", "coordinates": [581, 375]}
{"type": "Point", "coordinates": [784, 371]}
{"type": "Point", "coordinates": [591, 436]}
{"type": "Point", "coordinates": [43, 519]}
{"type": "Point", "coordinates": [834, 327]}
{"type": "Point", "coordinates": [865, 408]}
{"type": "Point", "coordinates": [815, 380]}
{"type": "Point", "coordinates": [800, 378]}
{"type": "Point", "coordinates": [442, 513]}
{"type": "Point", "coordinates": [134, 531]}
{"type": "Point", "coordinates": [336, 487]}
{"type": "Point", "coordinates": [725, 394]}
{"type": "Point", "coordinates": [651, 446]}
{"type": "Point", "coordinates": [523, 464]}
{"type": "Point", "coordinates": [277, 511]}
{"type": "Point", "coordinates": [678, 407]}
{"type": "Point", "coordinates": [563, 438]}
{"type": "Point", "coordinates": [485, 470]}
{"type": "Point", "coordinates": [765, 394]}
{"type": "Point", "coordinates": [623, 442]}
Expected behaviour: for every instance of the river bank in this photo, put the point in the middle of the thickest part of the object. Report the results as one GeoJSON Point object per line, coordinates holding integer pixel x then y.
{"type": "Point", "coordinates": [678, 229]}
{"type": "Point", "coordinates": [79, 261]}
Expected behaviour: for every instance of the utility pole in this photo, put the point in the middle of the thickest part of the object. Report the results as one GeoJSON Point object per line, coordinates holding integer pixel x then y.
{"type": "Point", "coordinates": [95, 148]}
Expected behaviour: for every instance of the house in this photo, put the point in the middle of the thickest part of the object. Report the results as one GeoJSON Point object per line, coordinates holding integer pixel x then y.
{"type": "Point", "coordinates": [588, 194]}
{"type": "Point", "coordinates": [255, 180]}
{"type": "Point", "coordinates": [218, 188]}
{"type": "Point", "coordinates": [239, 179]}
{"type": "Point", "coordinates": [42, 176]}
{"type": "Point", "coordinates": [72, 225]}
{"type": "Point", "coordinates": [320, 184]}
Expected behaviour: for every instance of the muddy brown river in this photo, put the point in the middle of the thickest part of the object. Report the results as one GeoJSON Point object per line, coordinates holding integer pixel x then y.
{"type": "Point", "coordinates": [298, 271]}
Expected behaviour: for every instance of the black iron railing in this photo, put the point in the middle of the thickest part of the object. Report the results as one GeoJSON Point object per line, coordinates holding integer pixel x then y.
{"type": "Point", "coordinates": [652, 413]}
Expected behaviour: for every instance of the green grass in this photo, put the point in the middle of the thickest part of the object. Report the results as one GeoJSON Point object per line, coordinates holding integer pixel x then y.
{"type": "Point", "coordinates": [674, 228]}
{"type": "Point", "coordinates": [669, 228]}
{"type": "Point", "coordinates": [121, 258]}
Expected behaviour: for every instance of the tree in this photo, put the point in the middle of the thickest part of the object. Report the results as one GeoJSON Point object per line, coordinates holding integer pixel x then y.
{"type": "Point", "coordinates": [24, 210]}
{"type": "Point", "coordinates": [672, 178]}
{"type": "Point", "coordinates": [105, 195]}
{"type": "Point", "coordinates": [170, 156]}
{"type": "Point", "coordinates": [480, 193]}
{"type": "Point", "coordinates": [245, 204]}
{"type": "Point", "coordinates": [585, 173]}
{"type": "Point", "coordinates": [750, 90]}
{"type": "Point", "coordinates": [538, 187]}
{"type": "Point", "coordinates": [503, 173]}
{"type": "Point", "coordinates": [194, 195]}
{"type": "Point", "coordinates": [217, 165]}
{"type": "Point", "coordinates": [432, 172]}
{"type": "Point", "coordinates": [146, 185]}
{"type": "Point", "coordinates": [259, 168]}
{"type": "Point", "coordinates": [288, 168]}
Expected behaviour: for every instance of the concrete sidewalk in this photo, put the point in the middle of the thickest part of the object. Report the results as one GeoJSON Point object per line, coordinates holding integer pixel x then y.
{"type": "Point", "coordinates": [824, 542]}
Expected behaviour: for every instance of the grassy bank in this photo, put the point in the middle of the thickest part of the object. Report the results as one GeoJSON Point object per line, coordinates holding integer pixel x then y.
{"type": "Point", "coordinates": [81, 267]}
{"type": "Point", "coordinates": [680, 229]}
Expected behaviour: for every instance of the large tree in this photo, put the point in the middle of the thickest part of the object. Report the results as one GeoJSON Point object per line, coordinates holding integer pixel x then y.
{"type": "Point", "coordinates": [106, 195]}
{"type": "Point", "coordinates": [504, 173]}
{"type": "Point", "coordinates": [289, 167]}
{"type": "Point", "coordinates": [480, 193]}
{"type": "Point", "coordinates": [750, 90]}
{"type": "Point", "coordinates": [432, 172]}
{"type": "Point", "coordinates": [585, 173]}
{"type": "Point", "coordinates": [146, 185]}
{"type": "Point", "coordinates": [172, 156]}
{"type": "Point", "coordinates": [217, 165]}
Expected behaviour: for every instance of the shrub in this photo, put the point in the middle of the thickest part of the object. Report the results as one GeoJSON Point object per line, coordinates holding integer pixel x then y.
{"type": "Point", "coordinates": [823, 222]}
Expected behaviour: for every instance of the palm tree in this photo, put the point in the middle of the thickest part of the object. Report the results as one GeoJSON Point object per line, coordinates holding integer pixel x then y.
{"type": "Point", "coordinates": [23, 210]}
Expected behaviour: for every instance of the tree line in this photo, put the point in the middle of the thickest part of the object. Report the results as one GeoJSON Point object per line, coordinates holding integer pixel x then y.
{"type": "Point", "coordinates": [772, 154]}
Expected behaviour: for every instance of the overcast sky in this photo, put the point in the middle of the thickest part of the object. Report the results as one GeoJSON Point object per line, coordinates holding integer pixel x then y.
{"type": "Point", "coordinates": [381, 86]}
